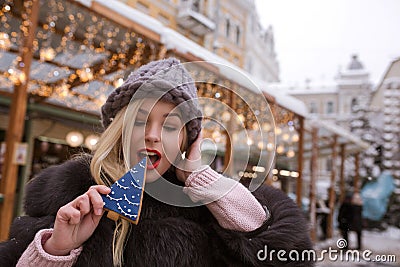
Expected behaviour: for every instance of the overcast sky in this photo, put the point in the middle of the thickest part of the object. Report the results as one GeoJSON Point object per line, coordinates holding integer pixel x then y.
{"type": "Point", "coordinates": [315, 38]}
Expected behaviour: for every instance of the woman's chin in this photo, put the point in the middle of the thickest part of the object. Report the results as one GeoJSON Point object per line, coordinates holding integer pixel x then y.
{"type": "Point", "coordinates": [152, 176]}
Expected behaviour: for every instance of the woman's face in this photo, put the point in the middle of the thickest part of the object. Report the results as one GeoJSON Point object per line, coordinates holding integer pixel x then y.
{"type": "Point", "coordinates": [157, 135]}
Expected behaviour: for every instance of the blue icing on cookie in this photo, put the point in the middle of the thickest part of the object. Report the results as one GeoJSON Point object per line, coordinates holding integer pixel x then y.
{"type": "Point", "coordinates": [126, 193]}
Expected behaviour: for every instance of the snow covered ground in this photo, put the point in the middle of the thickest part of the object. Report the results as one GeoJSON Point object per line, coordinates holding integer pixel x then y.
{"type": "Point", "coordinates": [384, 247]}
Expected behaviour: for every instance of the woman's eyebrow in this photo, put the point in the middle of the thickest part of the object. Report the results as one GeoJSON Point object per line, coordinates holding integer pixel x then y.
{"type": "Point", "coordinates": [143, 111]}
{"type": "Point", "coordinates": [172, 114]}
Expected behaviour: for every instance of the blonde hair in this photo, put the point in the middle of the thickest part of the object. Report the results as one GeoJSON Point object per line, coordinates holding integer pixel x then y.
{"type": "Point", "coordinates": [111, 160]}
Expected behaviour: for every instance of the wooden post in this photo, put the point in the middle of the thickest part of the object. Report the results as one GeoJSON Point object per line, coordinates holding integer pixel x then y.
{"type": "Point", "coordinates": [357, 173]}
{"type": "Point", "coordinates": [314, 173]}
{"type": "Point", "coordinates": [342, 182]}
{"type": "Point", "coordinates": [16, 125]}
{"type": "Point", "coordinates": [229, 158]}
{"type": "Point", "coordinates": [299, 186]}
{"type": "Point", "coordinates": [332, 196]}
{"type": "Point", "coordinates": [228, 164]}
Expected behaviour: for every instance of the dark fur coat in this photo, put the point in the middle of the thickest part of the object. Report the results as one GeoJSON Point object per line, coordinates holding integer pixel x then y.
{"type": "Point", "coordinates": [166, 235]}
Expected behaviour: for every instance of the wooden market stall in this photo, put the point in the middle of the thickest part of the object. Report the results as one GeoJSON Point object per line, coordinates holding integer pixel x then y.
{"type": "Point", "coordinates": [328, 139]}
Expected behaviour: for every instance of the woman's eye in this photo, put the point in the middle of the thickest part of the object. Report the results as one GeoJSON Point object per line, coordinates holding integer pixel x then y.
{"type": "Point", "coordinates": [139, 123]}
{"type": "Point", "coordinates": [169, 128]}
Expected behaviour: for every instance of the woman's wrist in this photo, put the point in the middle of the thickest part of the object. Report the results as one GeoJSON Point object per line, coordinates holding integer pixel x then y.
{"type": "Point", "coordinates": [50, 247]}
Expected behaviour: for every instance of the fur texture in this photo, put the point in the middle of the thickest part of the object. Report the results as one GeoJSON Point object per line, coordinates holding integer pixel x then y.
{"type": "Point", "coordinates": [166, 235]}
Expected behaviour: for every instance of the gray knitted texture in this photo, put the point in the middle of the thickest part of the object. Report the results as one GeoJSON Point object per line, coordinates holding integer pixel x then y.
{"type": "Point", "coordinates": [166, 80]}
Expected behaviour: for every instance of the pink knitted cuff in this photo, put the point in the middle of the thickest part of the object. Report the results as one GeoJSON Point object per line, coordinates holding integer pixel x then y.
{"type": "Point", "coordinates": [203, 176]}
{"type": "Point", "coordinates": [233, 206]}
{"type": "Point", "coordinates": [206, 185]}
{"type": "Point", "coordinates": [35, 255]}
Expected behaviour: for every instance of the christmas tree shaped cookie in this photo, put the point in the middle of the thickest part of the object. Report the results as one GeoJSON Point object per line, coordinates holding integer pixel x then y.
{"type": "Point", "coordinates": [125, 198]}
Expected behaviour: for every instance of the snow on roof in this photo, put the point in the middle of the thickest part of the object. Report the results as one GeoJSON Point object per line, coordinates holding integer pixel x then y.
{"type": "Point", "coordinates": [174, 40]}
{"type": "Point", "coordinates": [351, 72]}
{"type": "Point", "coordinates": [341, 132]}
{"type": "Point", "coordinates": [312, 88]}
{"type": "Point", "coordinates": [352, 82]}
{"type": "Point", "coordinates": [282, 98]}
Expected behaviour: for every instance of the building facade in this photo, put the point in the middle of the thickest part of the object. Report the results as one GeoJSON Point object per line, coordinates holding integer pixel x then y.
{"type": "Point", "coordinates": [230, 29]}
{"type": "Point", "coordinates": [336, 104]}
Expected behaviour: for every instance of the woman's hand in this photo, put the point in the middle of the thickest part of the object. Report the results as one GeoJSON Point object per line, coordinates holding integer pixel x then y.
{"type": "Point", "coordinates": [76, 221]}
{"type": "Point", "coordinates": [192, 160]}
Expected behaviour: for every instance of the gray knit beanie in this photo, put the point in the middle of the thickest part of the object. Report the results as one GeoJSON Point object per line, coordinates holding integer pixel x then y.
{"type": "Point", "coordinates": [166, 80]}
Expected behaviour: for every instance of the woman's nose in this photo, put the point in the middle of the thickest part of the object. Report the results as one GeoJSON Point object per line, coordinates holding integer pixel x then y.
{"type": "Point", "coordinates": [153, 133]}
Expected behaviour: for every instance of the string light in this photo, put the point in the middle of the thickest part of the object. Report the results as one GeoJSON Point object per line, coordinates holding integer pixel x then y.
{"type": "Point", "coordinates": [74, 138]}
{"type": "Point", "coordinates": [290, 153]}
{"type": "Point", "coordinates": [16, 76]}
{"type": "Point", "coordinates": [91, 141]}
{"type": "Point", "coordinates": [270, 146]}
{"type": "Point", "coordinates": [5, 42]}
{"type": "Point", "coordinates": [280, 149]}
{"type": "Point", "coordinates": [266, 127]}
{"type": "Point", "coordinates": [285, 137]}
{"type": "Point", "coordinates": [260, 145]}
{"type": "Point", "coordinates": [249, 141]}
{"type": "Point", "coordinates": [118, 82]}
{"type": "Point", "coordinates": [295, 138]}
{"type": "Point", "coordinates": [226, 116]}
{"type": "Point", "coordinates": [47, 54]}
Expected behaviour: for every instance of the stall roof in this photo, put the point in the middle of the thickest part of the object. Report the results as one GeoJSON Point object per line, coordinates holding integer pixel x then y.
{"type": "Point", "coordinates": [328, 129]}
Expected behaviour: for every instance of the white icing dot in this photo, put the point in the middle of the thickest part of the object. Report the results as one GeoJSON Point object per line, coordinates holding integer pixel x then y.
{"type": "Point", "coordinates": [133, 196]}
{"type": "Point", "coordinates": [123, 180]}
{"type": "Point", "coordinates": [112, 192]}
{"type": "Point", "coordinates": [129, 210]}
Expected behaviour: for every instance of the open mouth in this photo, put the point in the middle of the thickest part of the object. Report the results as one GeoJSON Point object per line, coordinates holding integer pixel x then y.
{"type": "Point", "coordinates": [153, 156]}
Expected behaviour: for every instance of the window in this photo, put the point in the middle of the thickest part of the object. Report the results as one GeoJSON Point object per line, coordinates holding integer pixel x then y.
{"type": "Point", "coordinates": [238, 35]}
{"type": "Point", "coordinates": [196, 5]}
{"type": "Point", "coordinates": [227, 28]}
{"type": "Point", "coordinates": [163, 18]}
{"type": "Point", "coordinates": [313, 107]}
{"type": "Point", "coordinates": [354, 104]}
{"type": "Point", "coordinates": [142, 7]}
{"type": "Point", "coordinates": [329, 107]}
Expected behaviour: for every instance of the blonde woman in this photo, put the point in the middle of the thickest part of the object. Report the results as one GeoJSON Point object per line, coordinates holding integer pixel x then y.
{"type": "Point", "coordinates": [210, 220]}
